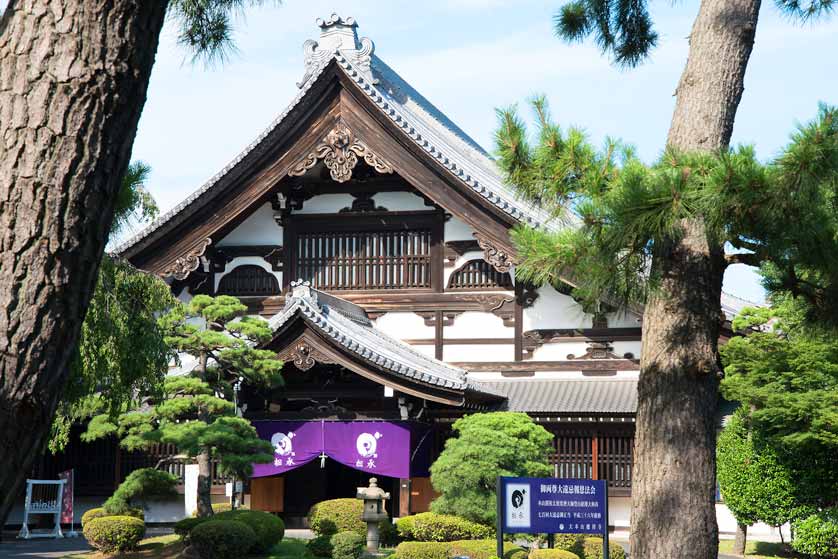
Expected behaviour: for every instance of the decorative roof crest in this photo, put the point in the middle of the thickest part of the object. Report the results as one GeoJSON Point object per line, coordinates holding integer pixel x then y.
{"type": "Point", "coordinates": [301, 289]}
{"type": "Point", "coordinates": [338, 34]}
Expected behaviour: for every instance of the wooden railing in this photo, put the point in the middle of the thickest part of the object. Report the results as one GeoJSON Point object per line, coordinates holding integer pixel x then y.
{"type": "Point", "coordinates": [595, 456]}
{"type": "Point", "coordinates": [365, 260]}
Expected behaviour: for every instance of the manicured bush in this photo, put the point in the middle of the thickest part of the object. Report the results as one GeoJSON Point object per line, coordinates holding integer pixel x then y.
{"type": "Point", "coordinates": [222, 539]}
{"type": "Point", "coordinates": [388, 534]}
{"type": "Point", "coordinates": [337, 515]}
{"type": "Point", "coordinates": [140, 486]}
{"type": "Point", "coordinates": [474, 549]}
{"type": "Point", "coordinates": [817, 535]}
{"type": "Point", "coordinates": [554, 553]}
{"type": "Point", "coordinates": [114, 533]}
{"type": "Point", "coordinates": [433, 527]}
{"type": "Point", "coordinates": [422, 550]}
{"type": "Point", "coordinates": [485, 549]}
{"type": "Point", "coordinates": [269, 529]}
{"type": "Point", "coordinates": [99, 512]}
{"type": "Point", "coordinates": [321, 546]}
{"type": "Point", "coordinates": [183, 527]}
{"type": "Point", "coordinates": [592, 549]}
{"type": "Point", "coordinates": [569, 542]}
{"type": "Point", "coordinates": [347, 545]}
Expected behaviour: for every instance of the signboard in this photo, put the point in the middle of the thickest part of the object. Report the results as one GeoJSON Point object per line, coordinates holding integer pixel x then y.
{"type": "Point", "coordinates": [528, 505]}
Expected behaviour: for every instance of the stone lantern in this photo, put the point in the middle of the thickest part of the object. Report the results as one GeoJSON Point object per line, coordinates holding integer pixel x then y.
{"type": "Point", "coordinates": [374, 511]}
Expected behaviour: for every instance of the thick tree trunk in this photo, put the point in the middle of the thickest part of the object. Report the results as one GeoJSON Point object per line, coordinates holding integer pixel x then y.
{"type": "Point", "coordinates": [673, 509]}
{"type": "Point", "coordinates": [73, 80]}
{"type": "Point", "coordinates": [741, 539]}
{"type": "Point", "coordinates": [204, 484]}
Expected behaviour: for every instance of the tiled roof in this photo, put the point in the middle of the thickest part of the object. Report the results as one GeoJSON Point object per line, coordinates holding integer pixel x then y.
{"type": "Point", "coordinates": [533, 395]}
{"type": "Point", "coordinates": [348, 326]}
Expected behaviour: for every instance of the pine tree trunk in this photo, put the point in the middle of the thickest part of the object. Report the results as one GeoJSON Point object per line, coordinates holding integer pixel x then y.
{"type": "Point", "coordinates": [204, 484]}
{"type": "Point", "coordinates": [741, 539]}
{"type": "Point", "coordinates": [673, 509]}
{"type": "Point", "coordinates": [73, 80]}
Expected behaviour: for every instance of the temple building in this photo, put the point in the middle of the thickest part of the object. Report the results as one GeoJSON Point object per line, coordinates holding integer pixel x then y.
{"type": "Point", "coordinates": [374, 236]}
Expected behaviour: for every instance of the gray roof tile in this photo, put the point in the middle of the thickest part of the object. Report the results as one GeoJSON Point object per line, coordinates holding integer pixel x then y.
{"type": "Point", "coordinates": [565, 396]}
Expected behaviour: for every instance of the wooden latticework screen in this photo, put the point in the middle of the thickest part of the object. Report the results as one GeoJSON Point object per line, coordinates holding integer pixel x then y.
{"type": "Point", "coordinates": [594, 456]}
{"type": "Point", "coordinates": [479, 275]}
{"type": "Point", "coordinates": [249, 280]}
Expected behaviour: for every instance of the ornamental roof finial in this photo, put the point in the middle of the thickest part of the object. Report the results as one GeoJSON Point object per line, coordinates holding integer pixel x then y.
{"type": "Point", "coordinates": [338, 36]}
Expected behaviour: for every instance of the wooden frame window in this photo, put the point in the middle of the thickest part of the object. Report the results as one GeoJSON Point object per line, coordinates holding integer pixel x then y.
{"type": "Point", "coordinates": [248, 280]}
{"type": "Point", "coordinates": [395, 251]}
{"type": "Point", "coordinates": [476, 275]}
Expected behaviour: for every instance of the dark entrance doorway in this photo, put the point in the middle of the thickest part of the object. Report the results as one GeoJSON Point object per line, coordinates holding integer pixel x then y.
{"type": "Point", "coordinates": [310, 484]}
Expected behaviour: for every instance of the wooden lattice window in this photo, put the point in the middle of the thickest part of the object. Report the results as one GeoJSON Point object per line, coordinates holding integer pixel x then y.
{"type": "Point", "coordinates": [478, 274]}
{"type": "Point", "coordinates": [249, 281]}
{"type": "Point", "coordinates": [588, 456]}
{"type": "Point", "coordinates": [345, 253]}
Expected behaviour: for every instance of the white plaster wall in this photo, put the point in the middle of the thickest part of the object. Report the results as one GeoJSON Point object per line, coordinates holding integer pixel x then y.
{"type": "Point", "coordinates": [326, 204]}
{"type": "Point", "coordinates": [190, 489]}
{"type": "Point", "coordinates": [555, 310]}
{"type": "Point", "coordinates": [169, 510]}
{"type": "Point", "coordinates": [258, 229]}
{"type": "Point", "coordinates": [476, 324]}
{"type": "Point", "coordinates": [474, 352]}
{"type": "Point", "coordinates": [427, 350]}
{"type": "Point", "coordinates": [559, 351]}
{"type": "Point", "coordinates": [458, 230]}
{"type": "Point", "coordinates": [400, 201]}
{"type": "Point", "coordinates": [623, 319]}
{"type": "Point", "coordinates": [553, 375]}
{"type": "Point", "coordinates": [621, 348]}
{"type": "Point", "coordinates": [619, 511]}
{"type": "Point", "coordinates": [404, 326]}
{"type": "Point", "coordinates": [727, 526]}
{"type": "Point", "coordinates": [245, 260]}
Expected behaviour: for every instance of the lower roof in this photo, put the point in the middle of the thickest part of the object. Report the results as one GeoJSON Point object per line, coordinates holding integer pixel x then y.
{"type": "Point", "coordinates": [595, 397]}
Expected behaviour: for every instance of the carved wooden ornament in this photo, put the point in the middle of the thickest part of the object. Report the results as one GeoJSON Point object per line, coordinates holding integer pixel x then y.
{"type": "Point", "coordinates": [501, 260]}
{"type": "Point", "coordinates": [340, 152]}
{"type": "Point", "coordinates": [188, 263]}
{"type": "Point", "coordinates": [304, 356]}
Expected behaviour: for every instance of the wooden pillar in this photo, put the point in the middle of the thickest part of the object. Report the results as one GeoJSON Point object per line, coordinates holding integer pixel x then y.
{"type": "Point", "coordinates": [519, 321]}
{"type": "Point", "coordinates": [595, 456]}
{"type": "Point", "coordinates": [404, 497]}
{"type": "Point", "coordinates": [439, 333]}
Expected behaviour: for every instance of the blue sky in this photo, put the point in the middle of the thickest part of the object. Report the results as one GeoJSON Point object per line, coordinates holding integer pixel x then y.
{"type": "Point", "coordinates": [469, 57]}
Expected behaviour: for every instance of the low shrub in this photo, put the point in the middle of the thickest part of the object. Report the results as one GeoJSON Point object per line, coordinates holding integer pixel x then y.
{"type": "Point", "coordinates": [592, 549]}
{"type": "Point", "coordinates": [348, 545]}
{"type": "Point", "coordinates": [321, 546]}
{"type": "Point", "coordinates": [474, 549]}
{"type": "Point", "coordinates": [183, 527]}
{"type": "Point", "coordinates": [114, 533]}
{"type": "Point", "coordinates": [554, 553]}
{"type": "Point", "coordinates": [269, 529]}
{"type": "Point", "coordinates": [140, 486]}
{"type": "Point", "coordinates": [433, 527]}
{"type": "Point", "coordinates": [388, 534]}
{"type": "Point", "coordinates": [817, 535]}
{"type": "Point", "coordinates": [569, 542]}
{"type": "Point", "coordinates": [221, 507]}
{"type": "Point", "coordinates": [222, 539]}
{"type": "Point", "coordinates": [485, 549]}
{"type": "Point", "coordinates": [99, 512]}
{"type": "Point", "coordinates": [337, 515]}
{"type": "Point", "coordinates": [422, 550]}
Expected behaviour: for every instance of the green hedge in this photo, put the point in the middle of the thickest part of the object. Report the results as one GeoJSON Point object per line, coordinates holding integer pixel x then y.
{"type": "Point", "coordinates": [269, 529]}
{"type": "Point", "coordinates": [99, 512]}
{"type": "Point", "coordinates": [474, 549]}
{"type": "Point", "coordinates": [114, 533]}
{"type": "Point", "coordinates": [817, 535]}
{"type": "Point", "coordinates": [320, 546]}
{"type": "Point", "coordinates": [222, 539]}
{"type": "Point", "coordinates": [552, 554]}
{"type": "Point", "coordinates": [337, 515]}
{"type": "Point", "coordinates": [184, 526]}
{"type": "Point", "coordinates": [348, 545]}
{"type": "Point", "coordinates": [433, 527]}
{"type": "Point", "coordinates": [592, 549]}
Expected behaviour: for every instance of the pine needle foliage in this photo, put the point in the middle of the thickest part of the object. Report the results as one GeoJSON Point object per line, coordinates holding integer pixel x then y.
{"type": "Point", "coordinates": [612, 212]}
{"type": "Point", "coordinates": [625, 30]}
{"type": "Point", "coordinates": [196, 412]}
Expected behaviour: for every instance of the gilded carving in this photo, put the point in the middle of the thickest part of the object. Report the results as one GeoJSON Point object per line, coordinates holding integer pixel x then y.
{"type": "Point", "coordinates": [340, 152]}
{"type": "Point", "coordinates": [188, 263]}
{"type": "Point", "coordinates": [304, 356]}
